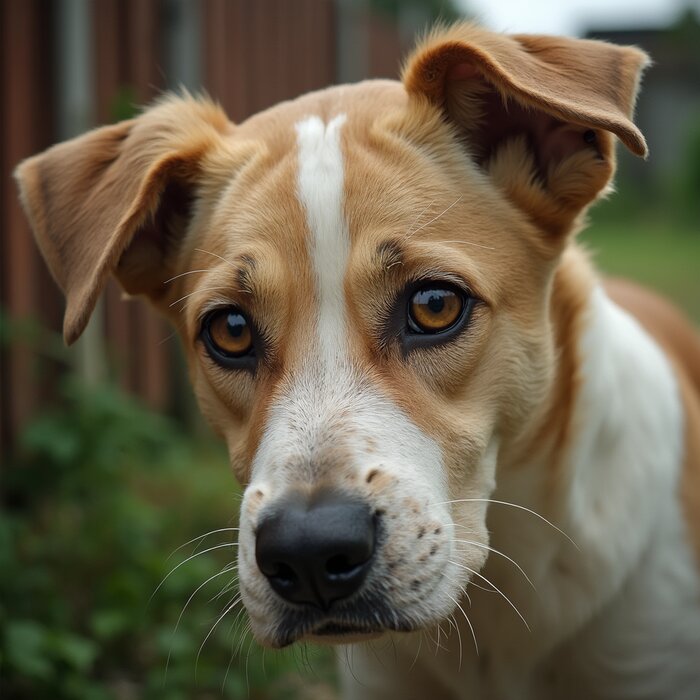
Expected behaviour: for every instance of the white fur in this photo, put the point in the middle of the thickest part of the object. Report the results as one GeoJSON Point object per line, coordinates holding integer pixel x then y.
{"type": "Point", "coordinates": [331, 425]}
{"type": "Point", "coordinates": [616, 618]}
{"type": "Point", "coordinates": [320, 187]}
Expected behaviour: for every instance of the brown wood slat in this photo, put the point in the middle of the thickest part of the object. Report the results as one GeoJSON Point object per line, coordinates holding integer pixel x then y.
{"type": "Point", "coordinates": [128, 61]}
{"type": "Point", "coordinates": [109, 76]}
{"type": "Point", "coordinates": [255, 53]}
{"type": "Point", "coordinates": [259, 53]}
{"type": "Point", "coordinates": [26, 128]}
{"type": "Point", "coordinates": [106, 20]}
{"type": "Point", "coordinates": [148, 360]}
{"type": "Point", "coordinates": [213, 14]}
{"type": "Point", "coordinates": [143, 49]}
{"type": "Point", "coordinates": [385, 48]}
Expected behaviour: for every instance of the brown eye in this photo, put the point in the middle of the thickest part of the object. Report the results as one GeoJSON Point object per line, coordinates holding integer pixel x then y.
{"type": "Point", "coordinates": [434, 309]}
{"type": "Point", "coordinates": [227, 335]}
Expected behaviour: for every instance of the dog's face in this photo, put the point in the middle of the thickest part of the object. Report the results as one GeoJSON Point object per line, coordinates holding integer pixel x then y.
{"type": "Point", "coordinates": [361, 279]}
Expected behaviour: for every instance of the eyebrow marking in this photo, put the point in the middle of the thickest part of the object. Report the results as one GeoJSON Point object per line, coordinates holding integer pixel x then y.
{"type": "Point", "coordinates": [389, 253]}
{"type": "Point", "coordinates": [244, 274]}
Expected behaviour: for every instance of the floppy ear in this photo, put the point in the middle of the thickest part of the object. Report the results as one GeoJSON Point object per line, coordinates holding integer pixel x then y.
{"type": "Point", "coordinates": [536, 112]}
{"type": "Point", "coordinates": [118, 199]}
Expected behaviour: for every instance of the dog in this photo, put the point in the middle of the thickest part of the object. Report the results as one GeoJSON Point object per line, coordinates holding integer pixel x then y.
{"type": "Point", "coordinates": [452, 433]}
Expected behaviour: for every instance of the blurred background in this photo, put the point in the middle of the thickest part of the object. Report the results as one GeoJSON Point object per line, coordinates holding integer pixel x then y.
{"type": "Point", "coordinates": [107, 469]}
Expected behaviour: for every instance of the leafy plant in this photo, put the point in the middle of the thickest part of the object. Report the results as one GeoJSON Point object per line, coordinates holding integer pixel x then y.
{"type": "Point", "coordinates": [100, 493]}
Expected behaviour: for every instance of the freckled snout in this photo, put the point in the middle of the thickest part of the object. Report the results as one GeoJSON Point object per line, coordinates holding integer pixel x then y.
{"type": "Point", "coordinates": [316, 550]}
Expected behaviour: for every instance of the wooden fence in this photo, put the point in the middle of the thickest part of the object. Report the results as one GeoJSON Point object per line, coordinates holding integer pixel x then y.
{"type": "Point", "coordinates": [71, 64]}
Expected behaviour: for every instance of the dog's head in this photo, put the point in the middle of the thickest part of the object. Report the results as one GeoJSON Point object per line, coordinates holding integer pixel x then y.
{"type": "Point", "coordinates": [361, 278]}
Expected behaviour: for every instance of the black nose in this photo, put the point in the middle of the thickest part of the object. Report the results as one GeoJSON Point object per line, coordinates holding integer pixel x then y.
{"type": "Point", "coordinates": [316, 550]}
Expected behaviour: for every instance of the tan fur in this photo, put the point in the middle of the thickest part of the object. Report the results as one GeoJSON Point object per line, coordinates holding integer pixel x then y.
{"type": "Point", "coordinates": [502, 91]}
{"type": "Point", "coordinates": [573, 282]}
{"type": "Point", "coordinates": [478, 170]}
{"type": "Point", "coordinates": [86, 215]}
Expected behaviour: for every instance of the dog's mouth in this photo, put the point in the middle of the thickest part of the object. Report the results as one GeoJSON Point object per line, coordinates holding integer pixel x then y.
{"type": "Point", "coordinates": [343, 633]}
{"type": "Point", "coordinates": [343, 627]}
{"type": "Point", "coordinates": [335, 629]}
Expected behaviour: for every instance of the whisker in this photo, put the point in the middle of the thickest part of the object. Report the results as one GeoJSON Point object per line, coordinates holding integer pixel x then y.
{"type": "Point", "coordinates": [167, 338]}
{"type": "Point", "coordinates": [233, 604]}
{"type": "Point", "coordinates": [232, 656]}
{"type": "Point", "coordinates": [476, 245]}
{"type": "Point", "coordinates": [201, 537]}
{"type": "Point", "coordinates": [459, 639]}
{"type": "Point", "coordinates": [461, 609]}
{"type": "Point", "coordinates": [198, 291]}
{"type": "Point", "coordinates": [499, 591]}
{"type": "Point", "coordinates": [216, 255]}
{"type": "Point", "coordinates": [471, 583]}
{"type": "Point", "coordinates": [420, 645]}
{"type": "Point", "coordinates": [416, 218]}
{"type": "Point", "coordinates": [199, 554]}
{"type": "Point", "coordinates": [512, 505]}
{"type": "Point", "coordinates": [227, 587]}
{"type": "Point", "coordinates": [349, 649]}
{"type": "Point", "coordinates": [435, 218]}
{"type": "Point", "coordinates": [246, 629]}
{"type": "Point", "coordinates": [495, 551]}
{"type": "Point", "coordinates": [177, 624]}
{"type": "Point", "coordinates": [439, 630]}
{"type": "Point", "coordinates": [228, 670]}
{"type": "Point", "coordinates": [183, 274]}
{"type": "Point", "coordinates": [247, 659]}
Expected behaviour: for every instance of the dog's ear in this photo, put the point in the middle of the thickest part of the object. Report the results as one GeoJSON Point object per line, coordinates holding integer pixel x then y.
{"type": "Point", "coordinates": [117, 200]}
{"type": "Point", "coordinates": [536, 112]}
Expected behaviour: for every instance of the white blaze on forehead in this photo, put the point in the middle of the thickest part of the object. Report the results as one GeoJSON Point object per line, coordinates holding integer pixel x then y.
{"type": "Point", "coordinates": [321, 182]}
{"type": "Point", "coordinates": [327, 403]}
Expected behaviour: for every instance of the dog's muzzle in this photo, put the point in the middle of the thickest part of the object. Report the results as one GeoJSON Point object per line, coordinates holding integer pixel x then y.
{"type": "Point", "coordinates": [316, 550]}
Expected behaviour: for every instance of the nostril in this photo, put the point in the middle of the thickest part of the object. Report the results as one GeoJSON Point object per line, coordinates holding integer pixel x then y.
{"type": "Point", "coordinates": [340, 565]}
{"type": "Point", "coordinates": [316, 550]}
{"type": "Point", "coordinates": [283, 574]}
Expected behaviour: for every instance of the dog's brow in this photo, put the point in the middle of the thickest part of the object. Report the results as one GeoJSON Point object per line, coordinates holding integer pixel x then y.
{"type": "Point", "coordinates": [389, 253]}
{"type": "Point", "coordinates": [245, 267]}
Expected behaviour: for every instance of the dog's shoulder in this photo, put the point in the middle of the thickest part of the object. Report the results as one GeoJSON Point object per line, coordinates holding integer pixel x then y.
{"type": "Point", "coordinates": [681, 342]}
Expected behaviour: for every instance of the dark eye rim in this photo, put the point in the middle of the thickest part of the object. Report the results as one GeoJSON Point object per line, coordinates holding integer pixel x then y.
{"type": "Point", "coordinates": [226, 360]}
{"type": "Point", "coordinates": [412, 339]}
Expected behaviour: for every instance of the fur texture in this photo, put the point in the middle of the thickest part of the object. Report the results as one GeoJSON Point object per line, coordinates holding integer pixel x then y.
{"type": "Point", "coordinates": [534, 477]}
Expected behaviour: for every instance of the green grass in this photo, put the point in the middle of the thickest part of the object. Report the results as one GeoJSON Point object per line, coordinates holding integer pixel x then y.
{"type": "Point", "coordinates": [663, 255]}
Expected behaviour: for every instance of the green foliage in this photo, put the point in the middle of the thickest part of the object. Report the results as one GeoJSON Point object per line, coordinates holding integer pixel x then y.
{"type": "Point", "coordinates": [687, 182]}
{"type": "Point", "coordinates": [124, 104]}
{"type": "Point", "coordinates": [100, 493]}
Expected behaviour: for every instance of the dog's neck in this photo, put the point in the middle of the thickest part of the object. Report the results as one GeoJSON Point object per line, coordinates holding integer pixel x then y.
{"type": "Point", "coordinates": [574, 465]}
{"type": "Point", "coordinates": [546, 437]}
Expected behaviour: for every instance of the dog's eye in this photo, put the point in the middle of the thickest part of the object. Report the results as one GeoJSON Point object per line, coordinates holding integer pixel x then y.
{"type": "Point", "coordinates": [227, 336]}
{"type": "Point", "coordinates": [434, 309]}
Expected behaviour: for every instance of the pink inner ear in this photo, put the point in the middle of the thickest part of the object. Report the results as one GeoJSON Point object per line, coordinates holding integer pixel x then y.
{"type": "Point", "coordinates": [551, 140]}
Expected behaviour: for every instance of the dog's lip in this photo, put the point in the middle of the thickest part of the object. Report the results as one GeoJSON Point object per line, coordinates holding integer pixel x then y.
{"type": "Point", "coordinates": [332, 632]}
{"type": "Point", "coordinates": [342, 633]}
{"type": "Point", "coordinates": [342, 628]}
{"type": "Point", "coordinates": [339, 631]}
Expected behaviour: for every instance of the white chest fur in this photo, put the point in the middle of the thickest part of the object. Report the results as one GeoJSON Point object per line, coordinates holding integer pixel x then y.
{"type": "Point", "coordinates": [618, 616]}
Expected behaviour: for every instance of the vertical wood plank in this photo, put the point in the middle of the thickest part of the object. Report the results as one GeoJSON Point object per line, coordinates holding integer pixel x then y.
{"type": "Point", "coordinates": [25, 129]}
